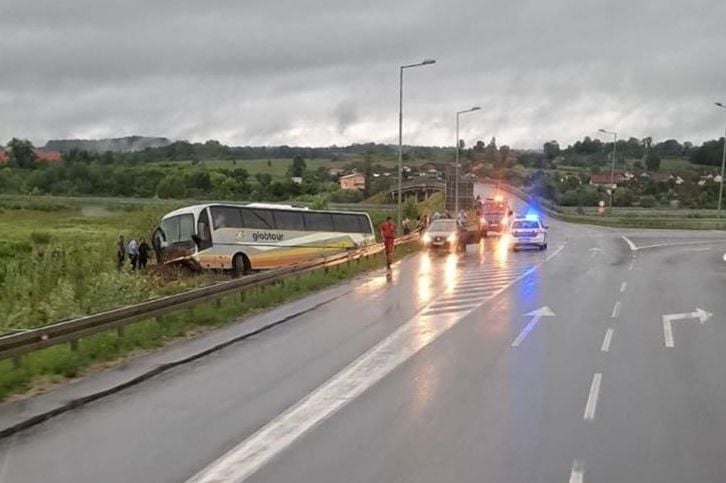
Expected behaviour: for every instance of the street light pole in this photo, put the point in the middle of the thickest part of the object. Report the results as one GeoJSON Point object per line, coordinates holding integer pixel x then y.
{"type": "Point", "coordinates": [612, 167]}
{"type": "Point", "coordinates": [456, 182]}
{"type": "Point", "coordinates": [723, 163]}
{"type": "Point", "coordinates": [400, 134]}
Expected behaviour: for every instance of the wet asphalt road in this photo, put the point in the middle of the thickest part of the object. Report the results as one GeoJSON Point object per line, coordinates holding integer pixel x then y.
{"type": "Point", "coordinates": [416, 379]}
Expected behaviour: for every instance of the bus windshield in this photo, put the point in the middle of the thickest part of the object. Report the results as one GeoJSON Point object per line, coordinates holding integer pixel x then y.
{"type": "Point", "coordinates": [178, 228]}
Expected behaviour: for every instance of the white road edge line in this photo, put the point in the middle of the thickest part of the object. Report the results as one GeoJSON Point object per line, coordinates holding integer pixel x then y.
{"type": "Point", "coordinates": [630, 243]}
{"type": "Point", "coordinates": [606, 341]}
{"type": "Point", "coordinates": [591, 405]}
{"type": "Point", "coordinates": [253, 453]}
{"type": "Point", "coordinates": [623, 287]}
{"type": "Point", "coordinates": [677, 244]}
{"type": "Point", "coordinates": [616, 310]}
{"type": "Point", "coordinates": [577, 474]}
{"type": "Point", "coordinates": [668, 332]}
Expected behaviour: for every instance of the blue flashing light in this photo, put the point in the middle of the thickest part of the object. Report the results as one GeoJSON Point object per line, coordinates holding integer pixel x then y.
{"type": "Point", "coordinates": [531, 216]}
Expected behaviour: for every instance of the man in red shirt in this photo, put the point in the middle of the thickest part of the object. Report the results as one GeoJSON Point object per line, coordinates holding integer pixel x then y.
{"type": "Point", "coordinates": [388, 233]}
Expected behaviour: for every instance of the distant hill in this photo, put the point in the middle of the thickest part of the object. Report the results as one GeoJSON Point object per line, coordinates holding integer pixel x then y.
{"type": "Point", "coordinates": [116, 145]}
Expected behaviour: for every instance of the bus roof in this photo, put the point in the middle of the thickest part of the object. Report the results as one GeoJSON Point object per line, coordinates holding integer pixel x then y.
{"type": "Point", "coordinates": [196, 209]}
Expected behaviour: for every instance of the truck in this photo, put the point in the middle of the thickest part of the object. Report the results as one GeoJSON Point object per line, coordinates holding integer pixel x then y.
{"type": "Point", "coordinates": [494, 216]}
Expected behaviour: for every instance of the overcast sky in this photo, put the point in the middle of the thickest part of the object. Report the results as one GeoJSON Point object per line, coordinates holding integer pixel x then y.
{"type": "Point", "coordinates": [322, 72]}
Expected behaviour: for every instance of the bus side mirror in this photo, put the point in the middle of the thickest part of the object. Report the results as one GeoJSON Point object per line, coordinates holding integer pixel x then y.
{"type": "Point", "coordinates": [196, 239]}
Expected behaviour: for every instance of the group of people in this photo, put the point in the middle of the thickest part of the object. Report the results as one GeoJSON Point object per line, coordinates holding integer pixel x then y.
{"type": "Point", "coordinates": [137, 251]}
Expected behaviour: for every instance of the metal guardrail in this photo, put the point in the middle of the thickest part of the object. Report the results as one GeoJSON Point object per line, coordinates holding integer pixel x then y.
{"type": "Point", "coordinates": [15, 345]}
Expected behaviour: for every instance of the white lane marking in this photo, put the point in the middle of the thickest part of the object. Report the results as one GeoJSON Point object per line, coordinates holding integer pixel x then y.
{"type": "Point", "coordinates": [577, 474]}
{"type": "Point", "coordinates": [555, 253]}
{"type": "Point", "coordinates": [623, 287]}
{"type": "Point", "coordinates": [465, 297]}
{"type": "Point", "coordinates": [668, 332]}
{"type": "Point", "coordinates": [490, 278]}
{"type": "Point", "coordinates": [676, 244]}
{"type": "Point", "coordinates": [480, 285]}
{"type": "Point", "coordinates": [591, 405]}
{"type": "Point", "coordinates": [630, 243]}
{"type": "Point", "coordinates": [616, 310]}
{"type": "Point", "coordinates": [453, 305]}
{"type": "Point", "coordinates": [475, 290]}
{"type": "Point", "coordinates": [493, 272]}
{"type": "Point", "coordinates": [253, 453]}
{"type": "Point", "coordinates": [606, 341]}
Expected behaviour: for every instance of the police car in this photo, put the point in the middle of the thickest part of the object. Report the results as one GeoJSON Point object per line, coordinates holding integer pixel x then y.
{"type": "Point", "coordinates": [528, 231]}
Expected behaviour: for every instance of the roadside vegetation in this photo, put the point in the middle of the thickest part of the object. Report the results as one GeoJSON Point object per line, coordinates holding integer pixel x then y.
{"type": "Point", "coordinates": [41, 369]}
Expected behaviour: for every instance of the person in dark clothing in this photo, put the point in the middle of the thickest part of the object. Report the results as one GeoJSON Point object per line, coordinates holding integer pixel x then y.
{"type": "Point", "coordinates": [120, 252]}
{"type": "Point", "coordinates": [143, 253]}
{"type": "Point", "coordinates": [156, 244]}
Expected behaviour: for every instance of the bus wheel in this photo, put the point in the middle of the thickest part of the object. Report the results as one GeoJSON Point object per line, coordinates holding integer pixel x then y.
{"type": "Point", "coordinates": [240, 265]}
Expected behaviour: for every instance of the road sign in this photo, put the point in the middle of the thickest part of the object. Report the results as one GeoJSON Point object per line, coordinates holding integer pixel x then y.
{"type": "Point", "coordinates": [699, 314]}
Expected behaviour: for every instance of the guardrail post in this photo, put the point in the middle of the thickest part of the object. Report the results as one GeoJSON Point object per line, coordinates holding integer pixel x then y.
{"type": "Point", "coordinates": [17, 361]}
{"type": "Point", "coordinates": [120, 331]}
{"type": "Point", "coordinates": [218, 303]}
{"type": "Point", "coordinates": [74, 345]}
{"type": "Point", "coordinates": [242, 296]}
{"type": "Point", "coordinates": [159, 319]}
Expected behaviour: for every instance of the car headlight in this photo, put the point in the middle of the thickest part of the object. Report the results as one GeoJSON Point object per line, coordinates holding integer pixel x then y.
{"type": "Point", "coordinates": [451, 238]}
{"type": "Point", "coordinates": [483, 221]}
{"type": "Point", "coordinates": [426, 238]}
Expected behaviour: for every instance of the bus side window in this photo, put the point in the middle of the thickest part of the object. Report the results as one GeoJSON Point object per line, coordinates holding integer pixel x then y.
{"type": "Point", "coordinates": [257, 218]}
{"type": "Point", "coordinates": [318, 221]}
{"type": "Point", "coordinates": [226, 217]}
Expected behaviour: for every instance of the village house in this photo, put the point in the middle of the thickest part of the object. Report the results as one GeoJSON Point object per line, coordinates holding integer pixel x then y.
{"type": "Point", "coordinates": [354, 181]}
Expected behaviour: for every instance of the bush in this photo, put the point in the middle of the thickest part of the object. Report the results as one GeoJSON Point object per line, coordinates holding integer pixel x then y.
{"type": "Point", "coordinates": [647, 201]}
{"type": "Point", "coordinates": [40, 237]}
{"type": "Point", "coordinates": [570, 198]}
{"type": "Point", "coordinates": [172, 186]}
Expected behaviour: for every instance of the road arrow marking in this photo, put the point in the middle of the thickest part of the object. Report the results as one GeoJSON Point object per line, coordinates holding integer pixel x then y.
{"type": "Point", "coordinates": [536, 315]}
{"type": "Point", "coordinates": [699, 314]}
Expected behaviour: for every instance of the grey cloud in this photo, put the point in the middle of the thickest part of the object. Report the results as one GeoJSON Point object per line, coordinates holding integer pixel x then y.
{"type": "Point", "coordinates": [326, 71]}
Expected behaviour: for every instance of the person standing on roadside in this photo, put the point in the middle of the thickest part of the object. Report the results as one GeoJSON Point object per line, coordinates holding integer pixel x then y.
{"type": "Point", "coordinates": [143, 253]}
{"type": "Point", "coordinates": [120, 252]}
{"type": "Point", "coordinates": [406, 224]}
{"type": "Point", "coordinates": [388, 233]}
{"type": "Point", "coordinates": [133, 250]}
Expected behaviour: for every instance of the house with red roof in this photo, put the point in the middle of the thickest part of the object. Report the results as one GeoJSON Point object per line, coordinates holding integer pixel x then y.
{"type": "Point", "coordinates": [606, 179]}
{"type": "Point", "coordinates": [41, 156]}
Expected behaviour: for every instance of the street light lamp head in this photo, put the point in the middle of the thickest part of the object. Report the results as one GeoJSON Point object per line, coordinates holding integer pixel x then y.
{"type": "Point", "coordinates": [428, 61]}
{"type": "Point", "coordinates": [475, 108]}
{"type": "Point", "coordinates": [603, 131]}
{"type": "Point", "coordinates": [720, 104]}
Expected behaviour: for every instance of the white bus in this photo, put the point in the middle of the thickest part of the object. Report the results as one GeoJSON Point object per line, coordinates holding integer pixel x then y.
{"type": "Point", "coordinates": [256, 236]}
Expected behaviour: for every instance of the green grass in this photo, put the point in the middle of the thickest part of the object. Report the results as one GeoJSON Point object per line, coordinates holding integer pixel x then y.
{"type": "Point", "coordinates": [58, 261]}
{"type": "Point", "coordinates": [55, 364]}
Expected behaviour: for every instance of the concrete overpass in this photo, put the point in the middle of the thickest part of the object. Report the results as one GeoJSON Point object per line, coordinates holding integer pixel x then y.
{"type": "Point", "coordinates": [417, 190]}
